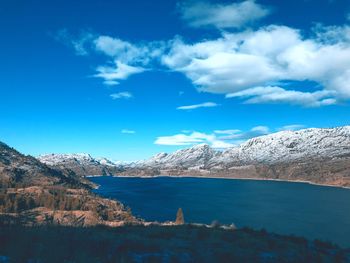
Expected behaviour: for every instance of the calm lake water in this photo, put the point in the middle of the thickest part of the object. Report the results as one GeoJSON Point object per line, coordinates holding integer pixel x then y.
{"type": "Point", "coordinates": [281, 207]}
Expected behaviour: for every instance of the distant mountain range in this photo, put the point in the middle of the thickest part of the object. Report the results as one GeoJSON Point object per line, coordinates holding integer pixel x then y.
{"type": "Point", "coordinates": [315, 155]}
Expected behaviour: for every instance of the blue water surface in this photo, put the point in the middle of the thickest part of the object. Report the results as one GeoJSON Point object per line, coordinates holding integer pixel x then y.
{"type": "Point", "coordinates": [315, 212]}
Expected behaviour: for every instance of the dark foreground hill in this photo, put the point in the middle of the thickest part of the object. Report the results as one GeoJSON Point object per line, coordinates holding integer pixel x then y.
{"type": "Point", "coordinates": [185, 243]}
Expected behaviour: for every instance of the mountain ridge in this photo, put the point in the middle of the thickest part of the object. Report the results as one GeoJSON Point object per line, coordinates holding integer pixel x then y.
{"type": "Point", "coordinates": [281, 155]}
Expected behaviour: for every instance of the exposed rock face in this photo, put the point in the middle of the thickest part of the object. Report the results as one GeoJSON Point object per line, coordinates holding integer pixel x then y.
{"type": "Point", "coordinates": [32, 193]}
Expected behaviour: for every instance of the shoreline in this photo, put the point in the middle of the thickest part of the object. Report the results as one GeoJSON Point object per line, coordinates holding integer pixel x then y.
{"type": "Point", "coordinates": [225, 177]}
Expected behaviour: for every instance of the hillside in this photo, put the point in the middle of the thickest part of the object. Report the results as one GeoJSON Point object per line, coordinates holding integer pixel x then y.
{"type": "Point", "coordinates": [34, 194]}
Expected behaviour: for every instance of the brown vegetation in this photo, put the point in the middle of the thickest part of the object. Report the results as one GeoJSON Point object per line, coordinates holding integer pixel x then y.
{"type": "Point", "coordinates": [32, 193]}
{"type": "Point", "coordinates": [180, 217]}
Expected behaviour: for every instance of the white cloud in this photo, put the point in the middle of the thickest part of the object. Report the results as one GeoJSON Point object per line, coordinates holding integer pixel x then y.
{"type": "Point", "coordinates": [227, 131]}
{"type": "Point", "coordinates": [229, 139]}
{"type": "Point", "coordinates": [196, 106]}
{"type": "Point", "coordinates": [250, 64]}
{"type": "Point", "coordinates": [184, 139]}
{"type": "Point", "coordinates": [239, 136]}
{"type": "Point", "coordinates": [218, 144]}
{"type": "Point", "coordinates": [121, 95]}
{"type": "Point", "coordinates": [234, 15]}
{"type": "Point", "coordinates": [128, 58]}
{"type": "Point", "coordinates": [261, 129]}
{"type": "Point", "coordinates": [127, 131]}
{"type": "Point", "coordinates": [192, 138]}
{"type": "Point", "coordinates": [279, 95]}
{"type": "Point", "coordinates": [120, 71]}
{"type": "Point", "coordinates": [115, 47]}
{"type": "Point", "coordinates": [129, 53]}
{"type": "Point", "coordinates": [236, 62]}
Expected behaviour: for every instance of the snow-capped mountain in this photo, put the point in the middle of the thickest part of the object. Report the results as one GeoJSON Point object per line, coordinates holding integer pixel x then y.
{"type": "Point", "coordinates": [194, 157]}
{"type": "Point", "coordinates": [317, 155]}
{"type": "Point", "coordinates": [81, 163]}
{"type": "Point", "coordinates": [288, 146]}
{"type": "Point", "coordinates": [280, 147]}
{"type": "Point", "coordinates": [56, 159]}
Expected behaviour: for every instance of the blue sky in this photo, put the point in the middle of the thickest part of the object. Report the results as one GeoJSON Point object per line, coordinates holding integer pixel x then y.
{"type": "Point", "coordinates": [128, 79]}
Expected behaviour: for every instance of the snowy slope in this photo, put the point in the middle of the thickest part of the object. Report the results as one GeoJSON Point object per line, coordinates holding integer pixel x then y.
{"type": "Point", "coordinates": [280, 147]}
{"type": "Point", "coordinates": [57, 159]}
{"type": "Point", "coordinates": [194, 157]}
{"type": "Point", "coordinates": [284, 146]}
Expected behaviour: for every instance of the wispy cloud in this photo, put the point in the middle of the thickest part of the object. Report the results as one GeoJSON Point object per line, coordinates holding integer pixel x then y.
{"type": "Point", "coordinates": [197, 106]}
{"type": "Point", "coordinates": [279, 95]}
{"type": "Point", "coordinates": [120, 71]}
{"type": "Point", "coordinates": [233, 15]}
{"type": "Point", "coordinates": [227, 131]}
{"type": "Point", "coordinates": [238, 136]}
{"type": "Point", "coordinates": [127, 131]}
{"type": "Point", "coordinates": [80, 43]}
{"type": "Point", "coordinates": [127, 58]}
{"type": "Point", "coordinates": [292, 127]}
{"type": "Point", "coordinates": [121, 95]}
